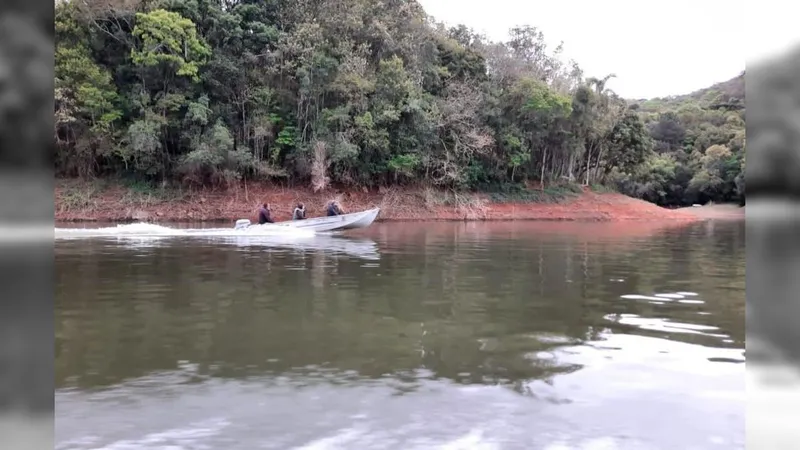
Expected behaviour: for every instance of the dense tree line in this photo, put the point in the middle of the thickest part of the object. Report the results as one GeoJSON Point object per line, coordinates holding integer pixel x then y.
{"type": "Point", "coordinates": [698, 148]}
{"type": "Point", "coordinates": [360, 93]}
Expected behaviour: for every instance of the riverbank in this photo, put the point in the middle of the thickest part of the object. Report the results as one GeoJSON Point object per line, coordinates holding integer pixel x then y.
{"type": "Point", "coordinates": [77, 200]}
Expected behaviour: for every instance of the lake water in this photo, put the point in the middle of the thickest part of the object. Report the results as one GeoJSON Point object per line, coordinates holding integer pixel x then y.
{"type": "Point", "coordinates": [405, 336]}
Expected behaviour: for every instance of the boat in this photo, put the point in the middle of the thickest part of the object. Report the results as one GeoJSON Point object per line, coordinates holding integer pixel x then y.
{"type": "Point", "coordinates": [342, 222]}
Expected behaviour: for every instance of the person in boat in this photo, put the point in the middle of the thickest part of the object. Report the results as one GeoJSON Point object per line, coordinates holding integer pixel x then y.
{"type": "Point", "coordinates": [265, 214]}
{"type": "Point", "coordinates": [299, 212]}
{"type": "Point", "coordinates": [334, 209]}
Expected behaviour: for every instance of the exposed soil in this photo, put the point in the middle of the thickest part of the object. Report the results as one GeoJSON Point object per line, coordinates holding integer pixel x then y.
{"type": "Point", "coordinates": [84, 201]}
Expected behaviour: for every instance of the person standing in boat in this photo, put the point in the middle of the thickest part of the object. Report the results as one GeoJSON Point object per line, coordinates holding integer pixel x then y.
{"type": "Point", "coordinates": [334, 209]}
{"type": "Point", "coordinates": [264, 214]}
{"type": "Point", "coordinates": [299, 212]}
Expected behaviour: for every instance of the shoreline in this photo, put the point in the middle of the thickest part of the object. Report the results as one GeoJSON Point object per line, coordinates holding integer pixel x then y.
{"type": "Point", "coordinates": [79, 201]}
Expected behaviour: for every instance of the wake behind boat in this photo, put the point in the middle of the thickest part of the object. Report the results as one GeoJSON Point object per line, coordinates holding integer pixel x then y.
{"type": "Point", "coordinates": [341, 222]}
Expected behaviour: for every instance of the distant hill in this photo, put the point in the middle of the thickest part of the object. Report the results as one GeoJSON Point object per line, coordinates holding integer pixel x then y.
{"type": "Point", "coordinates": [732, 89]}
{"type": "Point", "coordinates": [725, 95]}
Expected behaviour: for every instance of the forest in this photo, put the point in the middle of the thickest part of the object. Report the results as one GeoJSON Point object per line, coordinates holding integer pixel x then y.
{"type": "Point", "coordinates": [365, 94]}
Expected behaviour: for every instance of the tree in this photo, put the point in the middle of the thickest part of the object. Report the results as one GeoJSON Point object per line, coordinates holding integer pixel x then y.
{"type": "Point", "coordinates": [362, 94]}
{"type": "Point", "coordinates": [713, 179]}
{"type": "Point", "coordinates": [86, 99]}
{"type": "Point", "coordinates": [629, 144]}
{"type": "Point", "coordinates": [169, 42]}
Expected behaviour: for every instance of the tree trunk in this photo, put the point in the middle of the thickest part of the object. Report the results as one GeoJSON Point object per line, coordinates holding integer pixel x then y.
{"type": "Point", "coordinates": [544, 161]}
{"type": "Point", "coordinates": [245, 133]}
{"type": "Point", "coordinates": [588, 163]}
{"type": "Point", "coordinates": [571, 166]}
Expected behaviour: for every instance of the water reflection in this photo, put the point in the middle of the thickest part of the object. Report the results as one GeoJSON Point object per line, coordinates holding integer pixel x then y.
{"type": "Point", "coordinates": [362, 248]}
{"type": "Point", "coordinates": [457, 320]}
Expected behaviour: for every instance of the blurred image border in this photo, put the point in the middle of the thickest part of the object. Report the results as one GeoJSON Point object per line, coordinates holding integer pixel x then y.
{"type": "Point", "coordinates": [27, 338]}
{"type": "Point", "coordinates": [773, 249]}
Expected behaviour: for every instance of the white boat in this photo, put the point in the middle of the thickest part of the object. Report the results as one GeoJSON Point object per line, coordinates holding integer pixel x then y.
{"type": "Point", "coordinates": [350, 221]}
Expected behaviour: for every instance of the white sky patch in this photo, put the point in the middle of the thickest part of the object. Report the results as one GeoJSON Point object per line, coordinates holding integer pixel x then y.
{"type": "Point", "coordinates": [655, 49]}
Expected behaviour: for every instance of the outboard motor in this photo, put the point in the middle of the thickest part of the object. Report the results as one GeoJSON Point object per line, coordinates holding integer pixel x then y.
{"type": "Point", "coordinates": [241, 224]}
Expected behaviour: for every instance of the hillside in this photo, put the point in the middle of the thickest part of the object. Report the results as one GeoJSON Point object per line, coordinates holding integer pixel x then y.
{"type": "Point", "coordinates": [354, 95]}
{"type": "Point", "coordinates": [730, 91]}
{"type": "Point", "coordinates": [699, 147]}
{"type": "Point", "coordinates": [726, 94]}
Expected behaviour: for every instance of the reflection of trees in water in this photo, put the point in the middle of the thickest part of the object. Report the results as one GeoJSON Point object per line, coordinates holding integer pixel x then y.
{"type": "Point", "coordinates": [467, 307]}
{"type": "Point", "coordinates": [318, 273]}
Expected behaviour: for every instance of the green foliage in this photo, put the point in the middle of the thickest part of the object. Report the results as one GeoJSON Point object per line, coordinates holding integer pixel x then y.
{"type": "Point", "coordinates": [602, 188]}
{"type": "Point", "coordinates": [166, 38]}
{"type": "Point", "coordinates": [629, 144]}
{"type": "Point", "coordinates": [143, 146]}
{"type": "Point", "coordinates": [703, 137]}
{"type": "Point", "coordinates": [363, 94]}
{"type": "Point", "coordinates": [404, 164]}
{"type": "Point", "coordinates": [651, 181]}
{"type": "Point", "coordinates": [86, 99]}
{"type": "Point", "coordinates": [519, 193]}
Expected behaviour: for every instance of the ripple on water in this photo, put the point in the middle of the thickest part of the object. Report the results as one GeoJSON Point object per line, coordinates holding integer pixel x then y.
{"type": "Point", "coordinates": [665, 297]}
{"type": "Point", "coordinates": [665, 325]}
{"type": "Point", "coordinates": [672, 296]}
{"type": "Point", "coordinates": [552, 338]}
{"type": "Point", "coordinates": [642, 297]}
{"type": "Point", "coordinates": [662, 324]}
{"type": "Point", "coordinates": [191, 436]}
{"type": "Point", "coordinates": [691, 302]}
{"type": "Point", "coordinates": [618, 370]}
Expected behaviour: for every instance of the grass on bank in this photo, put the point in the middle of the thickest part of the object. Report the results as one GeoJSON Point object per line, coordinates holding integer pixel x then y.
{"type": "Point", "coordinates": [603, 189]}
{"type": "Point", "coordinates": [473, 204]}
{"type": "Point", "coordinates": [86, 195]}
{"type": "Point", "coordinates": [519, 193]}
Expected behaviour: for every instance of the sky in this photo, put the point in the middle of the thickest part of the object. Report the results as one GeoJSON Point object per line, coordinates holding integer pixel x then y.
{"type": "Point", "coordinates": [656, 49]}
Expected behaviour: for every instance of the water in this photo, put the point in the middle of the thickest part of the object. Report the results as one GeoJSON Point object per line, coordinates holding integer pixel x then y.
{"type": "Point", "coordinates": [404, 336]}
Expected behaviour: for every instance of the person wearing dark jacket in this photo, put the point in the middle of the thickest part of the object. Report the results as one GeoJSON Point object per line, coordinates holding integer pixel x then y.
{"type": "Point", "coordinates": [264, 214]}
{"type": "Point", "coordinates": [334, 209]}
{"type": "Point", "coordinates": [299, 212]}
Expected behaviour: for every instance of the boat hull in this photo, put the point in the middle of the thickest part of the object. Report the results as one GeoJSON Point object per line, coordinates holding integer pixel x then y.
{"type": "Point", "coordinates": [342, 222]}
